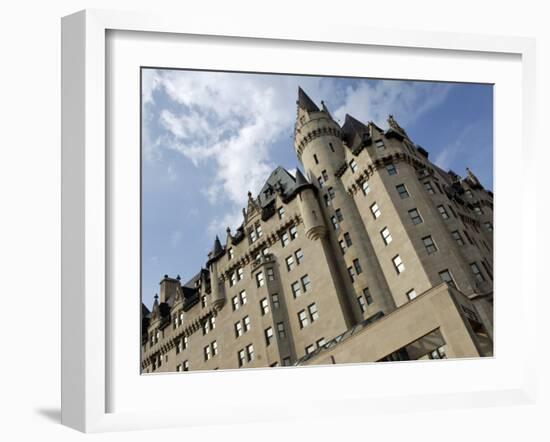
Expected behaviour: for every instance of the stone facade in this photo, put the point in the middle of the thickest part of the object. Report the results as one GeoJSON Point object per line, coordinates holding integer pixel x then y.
{"type": "Point", "coordinates": [375, 254]}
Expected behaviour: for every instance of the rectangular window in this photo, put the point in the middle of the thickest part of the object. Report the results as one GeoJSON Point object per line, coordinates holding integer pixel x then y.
{"type": "Point", "coordinates": [310, 349]}
{"type": "Point", "coordinates": [214, 346]}
{"type": "Point", "coordinates": [306, 283]}
{"type": "Point", "coordinates": [366, 187]}
{"type": "Point", "coordinates": [357, 266]}
{"type": "Point", "coordinates": [242, 295]}
{"type": "Point", "coordinates": [264, 306]}
{"type": "Point", "coordinates": [281, 330]}
{"type": "Point", "coordinates": [281, 212]}
{"type": "Point", "coordinates": [299, 256]}
{"type": "Point", "coordinates": [185, 365]}
{"type": "Point", "coordinates": [446, 276]}
{"type": "Point", "coordinates": [353, 166]}
{"type": "Point", "coordinates": [250, 352]}
{"type": "Point", "coordinates": [469, 194]}
{"type": "Point", "coordinates": [205, 327]}
{"type": "Point", "coordinates": [415, 216]}
{"type": "Point", "coordinates": [315, 159]}
{"type": "Point", "coordinates": [367, 295]}
{"type": "Point", "coordinates": [268, 333]}
{"type": "Point", "coordinates": [207, 354]}
{"type": "Point", "coordinates": [347, 238]}
{"type": "Point", "coordinates": [477, 272]}
{"type": "Point", "coordinates": [230, 253]}
{"type": "Point", "coordinates": [386, 235]}
{"type": "Point", "coordinates": [391, 169]}
{"type": "Point", "coordinates": [351, 274]}
{"type": "Point", "coordinates": [443, 212]}
{"type": "Point", "coordinates": [238, 329]}
{"type": "Point", "coordinates": [457, 237]}
{"type": "Point", "coordinates": [285, 239]}
{"type": "Point", "coordinates": [321, 181]}
{"type": "Point", "coordinates": [253, 236]}
{"type": "Point", "coordinates": [290, 263]}
{"type": "Point", "coordinates": [286, 361]}
{"type": "Point", "coordinates": [326, 198]}
{"type": "Point", "coordinates": [331, 193]}
{"type": "Point", "coordinates": [339, 215]}
{"type": "Point", "coordinates": [296, 289]}
{"type": "Point", "coordinates": [362, 304]}
{"type": "Point", "coordinates": [270, 274]}
{"type": "Point", "coordinates": [342, 246]}
{"type": "Point", "coordinates": [375, 210]}
{"type": "Point", "coordinates": [303, 319]}
{"type": "Point", "coordinates": [313, 313]}
{"type": "Point", "coordinates": [240, 273]}
{"type": "Point", "coordinates": [293, 233]}
{"type": "Point", "coordinates": [398, 264]}
{"type": "Point", "coordinates": [411, 294]}
{"type": "Point", "coordinates": [233, 279]}
{"type": "Point", "coordinates": [241, 356]}
{"type": "Point", "coordinates": [402, 190]}
{"type": "Point", "coordinates": [477, 210]}
{"type": "Point", "coordinates": [246, 323]}
{"type": "Point", "coordinates": [321, 342]}
{"type": "Point", "coordinates": [488, 226]}
{"type": "Point", "coordinates": [429, 244]}
{"type": "Point", "coordinates": [260, 279]}
{"type": "Point", "coordinates": [334, 222]}
{"type": "Point", "coordinates": [331, 147]}
{"type": "Point", "coordinates": [325, 175]}
{"type": "Point", "coordinates": [203, 301]}
{"type": "Point", "coordinates": [259, 230]}
{"type": "Point", "coordinates": [275, 300]}
{"type": "Point", "coordinates": [428, 187]}
{"type": "Point", "coordinates": [379, 145]}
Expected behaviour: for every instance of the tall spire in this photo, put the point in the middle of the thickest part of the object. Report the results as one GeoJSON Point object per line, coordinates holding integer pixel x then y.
{"type": "Point", "coordinates": [306, 103]}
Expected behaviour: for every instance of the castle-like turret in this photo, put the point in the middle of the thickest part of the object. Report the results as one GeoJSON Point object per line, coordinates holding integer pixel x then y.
{"type": "Point", "coordinates": [319, 144]}
{"type": "Point", "coordinates": [317, 137]}
{"type": "Point", "coordinates": [217, 290]}
{"type": "Point", "coordinates": [314, 223]}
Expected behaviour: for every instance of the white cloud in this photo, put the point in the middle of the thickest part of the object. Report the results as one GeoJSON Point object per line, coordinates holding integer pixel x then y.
{"type": "Point", "coordinates": [230, 121]}
{"type": "Point", "coordinates": [405, 100]}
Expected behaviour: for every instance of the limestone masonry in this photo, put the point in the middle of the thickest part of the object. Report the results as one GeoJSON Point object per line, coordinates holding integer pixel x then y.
{"type": "Point", "coordinates": [374, 254]}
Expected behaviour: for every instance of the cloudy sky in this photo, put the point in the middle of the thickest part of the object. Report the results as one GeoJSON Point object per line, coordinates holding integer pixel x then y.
{"type": "Point", "coordinates": [210, 137]}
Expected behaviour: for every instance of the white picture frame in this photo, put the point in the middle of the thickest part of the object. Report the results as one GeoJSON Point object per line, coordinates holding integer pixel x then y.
{"type": "Point", "coordinates": [87, 203]}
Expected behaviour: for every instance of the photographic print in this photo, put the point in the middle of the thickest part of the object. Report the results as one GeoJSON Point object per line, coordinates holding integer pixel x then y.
{"type": "Point", "coordinates": [294, 220]}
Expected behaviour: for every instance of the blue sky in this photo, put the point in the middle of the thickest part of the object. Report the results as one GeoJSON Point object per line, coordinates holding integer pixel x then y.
{"type": "Point", "coordinates": [210, 137]}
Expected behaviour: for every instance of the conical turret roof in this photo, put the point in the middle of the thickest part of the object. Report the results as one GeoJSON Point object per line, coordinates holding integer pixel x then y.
{"type": "Point", "coordinates": [305, 102]}
{"type": "Point", "coordinates": [300, 178]}
{"type": "Point", "coordinates": [353, 127]}
{"type": "Point", "coordinates": [217, 249]}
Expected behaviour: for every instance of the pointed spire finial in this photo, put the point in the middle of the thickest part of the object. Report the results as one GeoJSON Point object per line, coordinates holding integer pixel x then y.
{"type": "Point", "coordinates": [306, 103]}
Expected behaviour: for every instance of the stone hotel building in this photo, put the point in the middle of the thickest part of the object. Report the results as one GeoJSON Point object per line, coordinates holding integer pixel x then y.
{"type": "Point", "coordinates": [372, 254]}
